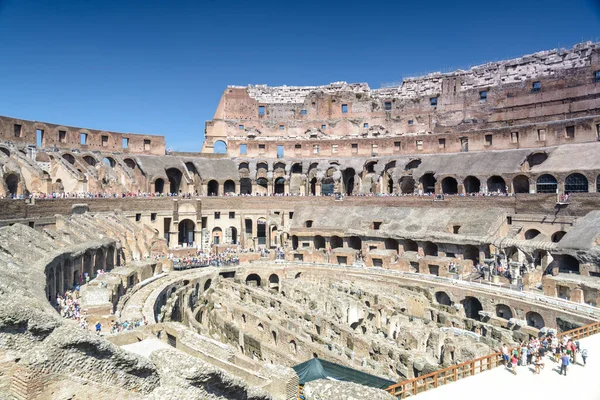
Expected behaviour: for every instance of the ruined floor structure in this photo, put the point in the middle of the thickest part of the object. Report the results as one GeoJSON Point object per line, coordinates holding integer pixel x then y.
{"type": "Point", "coordinates": [380, 201]}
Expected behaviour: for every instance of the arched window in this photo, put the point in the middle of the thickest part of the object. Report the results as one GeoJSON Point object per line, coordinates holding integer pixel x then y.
{"type": "Point", "coordinates": [109, 161]}
{"type": "Point", "coordinates": [213, 188]}
{"type": "Point", "coordinates": [576, 183]}
{"type": "Point", "coordinates": [472, 184]}
{"type": "Point", "coordinates": [407, 185]}
{"type": "Point", "coordinates": [449, 185]}
{"type": "Point", "coordinates": [546, 184]}
{"type": "Point", "coordinates": [428, 181]}
{"type": "Point", "coordinates": [229, 186]}
{"type": "Point", "coordinates": [336, 242]}
{"type": "Point", "coordinates": [521, 184]}
{"type": "Point", "coordinates": [531, 234]}
{"type": "Point", "coordinates": [220, 147]}
{"type": "Point", "coordinates": [496, 184]}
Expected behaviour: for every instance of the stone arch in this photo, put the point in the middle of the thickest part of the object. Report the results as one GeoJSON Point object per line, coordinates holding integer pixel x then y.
{"type": "Point", "coordinates": [428, 181]}
{"type": "Point", "coordinates": [274, 282]}
{"type": "Point", "coordinates": [557, 236]}
{"type": "Point", "coordinates": [217, 236]}
{"type": "Point", "coordinates": [296, 168]}
{"type": "Point", "coordinates": [130, 163]}
{"type": "Point", "coordinates": [407, 184]}
{"type": "Point", "coordinates": [159, 185]}
{"type": "Point", "coordinates": [174, 175]}
{"type": "Point", "coordinates": [279, 187]}
{"type": "Point", "coordinates": [496, 183]}
{"type": "Point", "coordinates": [253, 280]}
{"type": "Point", "coordinates": [207, 284]}
{"type": "Point", "coordinates": [245, 186]}
{"type": "Point", "coordinates": [319, 242]}
{"type": "Point", "coordinates": [293, 347]}
{"type": "Point", "coordinates": [531, 234]}
{"type": "Point", "coordinates": [336, 242]}
{"type": "Point", "coordinates": [472, 184]}
{"type": "Point", "coordinates": [410, 245]}
{"type": "Point", "coordinates": [220, 147]}
{"type": "Point", "coordinates": [69, 157]}
{"type": "Point", "coordinates": [412, 164]}
{"type": "Point", "coordinates": [5, 151]}
{"type": "Point", "coordinates": [520, 184]}
{"type": "Point", "coordinates": [391, 244]}
{"type": "Point", "coordinates": [348, 179]}
{"type": "Point", "coordinates": [355, 242]}
{"type": "Point", "coordinates": [503, 311]}
{"type": "Point", "coordinates": [213, 188]}
{"type": "Point", "coordinates": [12, 183]}
{"type": "Point", "coordinates": [234, 235]}
{"type": "Point", "coordinates": [430, 249]}
{"type": "Point", "coordinates": [90, 160]}
{"type": "Point", "coordinates": [546, 184]}
{"type": "Point", "coordinates": [565, 263]}
{"type": "Point", "coordinates": [535, 320]}
{"type": "Point", "coordinates": [443, 298]}
{"type": "Point", "coordinates": [186, 233]}
{"type": "Point", "coordinates": [229, 186]}
{"type": "Point", "coordinates": [109, 161]}
{"type": "Point", "coordinates": [576, 183]}
{"type": "Point", "coordinates": [449, 185]}
{"type": "Point", "coordinates": [262, 186]}
{"type": "Point", "coordinates": [472, 307]}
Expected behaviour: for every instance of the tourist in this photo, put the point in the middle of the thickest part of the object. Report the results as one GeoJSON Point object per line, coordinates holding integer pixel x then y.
{"type": "Point", "coordinates": [513, 362]}
{"type": "Point", "coordinates": [98, 328]}
{"type": "Point", "coordinates": [564, 363]}
{"type": "Point", "coordinates": [505, 356]}
{"type": "Point", "coordinates": [584, 356]}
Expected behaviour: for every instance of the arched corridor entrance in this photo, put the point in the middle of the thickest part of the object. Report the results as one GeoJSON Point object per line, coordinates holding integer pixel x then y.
{"type": "Point", "coordinates": [159, 186]}
{"type": "Point", "coordinates": [213, 188]}
{"type": "Point", "coordinates": [12, 183]}
{"type": "Point", "coordinates": [174, 176]}
{"type": "Point", "coordinates": [229, 186]}
{"type": "Point", "coordinates": [186, 232]}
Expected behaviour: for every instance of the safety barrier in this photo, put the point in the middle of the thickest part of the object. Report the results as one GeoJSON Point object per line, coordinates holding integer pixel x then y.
{"type": "Point", "coordinates": [455, 372]}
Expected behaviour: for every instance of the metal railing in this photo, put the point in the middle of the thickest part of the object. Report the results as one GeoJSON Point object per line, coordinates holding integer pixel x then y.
{"type": "Point", "coordinates": [455, 372]}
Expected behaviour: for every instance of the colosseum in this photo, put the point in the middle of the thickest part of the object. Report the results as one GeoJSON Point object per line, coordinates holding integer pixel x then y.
{"type": "Point", "coordinates": [327, 242]}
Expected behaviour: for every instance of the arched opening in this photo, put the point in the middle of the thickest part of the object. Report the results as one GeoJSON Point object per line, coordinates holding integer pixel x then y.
{"type": "Point", "coordinates": [186, 229]}
{"type": "Point", "coordinates": [274, 335]}
{"type": "Point", "coordinates": [428, 181]}
{"type": "Point", "coordinates": [217, 236]}
{"type": "Point", "coordinates": [336, 242]}
{"type": "Point", "coordinates": [234, 235]}
{"type": "Point", "coordinates": [5, 151]}
{"type": "Point", "coordinates": [12, 183]}
{"type": "Point", "coordinates": [565, 263]}
{"type": "Point", "coordinates": [90, 160]}
{"type": "Point", "coordinates": [98, 262]}
{"type": "Point", "coordinates": [355, 242]}
{"type": "Point", "coordinates": [407, 185]}
{"type": "Point", "coordinates": [220, 147]}
{"type": "Point", "coordinates": [296, 168]}
{"type": "Point", "coordinates": [390, 184]}
{"type": "Point", "coordinates": [130, 163]}
{"type": "Point", "coordinates": [536, 158]}
{"type": "Point", "coordinates": [207, 284]}
{"type": "Point", "coordinates": [576, 183]}
{"type": "Point", "coordinates": [319, 242]}
{"type": "Point", "coordinates": [245, 186]}
{"type": "Point", "coordinates": [370, 167]}
{"type": "Point", "coordinates": [412, 164]}
{"type": "Point", "coordinates": [534, 319]}
{"type": "Point", "coordinates": [191, 168]}
{"type": "Point", "coordinates": [293, 347]}
{"type": "Point", "coordinates": [212, 188]}
{"type": "Point", "coordinates": [557, 236]}
{"type": "Point", "coordinates": [294, 242]}
{"type": "Point", "coordinates": [109, 161]}
{"type": "Point", "coordinates": [261, 231]}
{"type": "Point", "coordinates": [449, 185]}
{"type": "Point", "coordinates": [503, 311]}
{"type": "Point", "coordinates": [262, 186]}
{"type": "Point", "coordinates": [410, 245]}
{"type": "Point", "coordinates": [279, 186]}
{"type": "Point", "coordinates": [471, 253]}
{"type": "Point", "coordinates": [546, 184]}
{"type": "Point", "coordinates": [391, 244]}
{"type": "Point", "coordinates": [531, 234]}
{"type": "Point", "coordinates": [159, 186]}
{"type": "Point", "coordinates": [253, 280]}
{"type": "Point", "coordinates": [472, 184]}
{"type": "Point", "coordinates": [430, 249]}
{"type": "Point", "coordinates": [472, 306]}
{"type": "Point", "coordinates": [174, 176]}
{"type": "Point", "coordinates": [313, 186]}
{"type": "Point", "coordinates": [110, 258]}
{"type": "Point", "coordinates": [70, 159]}
{"type": "Point", "coordinates": [229, 186]}
{"type": "Point", "coordinates": [496, 184]}
{"type": "Point", "coordinates": [327, 186]}
{"type": "Point", "coordinates": [521, 184]}
{"type": "Point", "coordinates": [348, 180]}
{"type": "Point", "coordinates": [274, 282]}
{"type": "Point", "coordinates": [443, 298]}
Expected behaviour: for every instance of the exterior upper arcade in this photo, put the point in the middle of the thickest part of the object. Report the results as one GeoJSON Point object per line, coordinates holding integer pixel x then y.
{"type": "Point", "coordinates": [543, 99]}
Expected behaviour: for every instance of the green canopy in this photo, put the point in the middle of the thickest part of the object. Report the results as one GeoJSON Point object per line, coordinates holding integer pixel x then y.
{"type": "Point", "coordinates": [316, 368]}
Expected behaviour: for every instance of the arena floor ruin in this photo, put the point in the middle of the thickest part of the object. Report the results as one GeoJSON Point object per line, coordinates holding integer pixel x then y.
{"type": "Point", "coordinates": [396, 232]}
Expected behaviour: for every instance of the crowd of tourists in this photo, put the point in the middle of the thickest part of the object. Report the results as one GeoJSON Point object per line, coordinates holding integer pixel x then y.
{"type": "Point", "coordinates": [227, 257]}
{"type": "Point", "coordinates": [533, 353]}
{"type": "Point", "coordinates": [118, 326]}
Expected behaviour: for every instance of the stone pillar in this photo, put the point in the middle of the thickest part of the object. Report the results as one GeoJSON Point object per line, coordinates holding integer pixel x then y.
{"type": "Point", "coordinates": [577, 295]}
{"type": "Point", "coordinates": [204, 191]}
{"type": "Point", "coordinates": [237, 187]}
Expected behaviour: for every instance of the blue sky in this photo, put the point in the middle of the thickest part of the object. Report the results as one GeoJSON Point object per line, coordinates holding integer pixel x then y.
{"type": "Point", "coordinates": [159, 67]}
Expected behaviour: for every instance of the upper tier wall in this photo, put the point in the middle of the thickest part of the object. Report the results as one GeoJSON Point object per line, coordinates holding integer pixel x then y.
{"type": "Point", "coordinates": [536, 97]}
{"type": "Point", "coordinates": [52, 135]}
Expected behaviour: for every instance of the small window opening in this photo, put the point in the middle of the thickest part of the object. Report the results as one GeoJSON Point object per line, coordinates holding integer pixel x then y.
{"type": "Point", "coordinates": [39, 136]}
{"type": "Point", "coordinates": [483, 96]}
{"type": "Point", "coordinates": [397, 146]}
{"type": "Point", "coordinates": [514, 137]}
{"type": "Point", "coordinates": [455, 229]}
{"type": "Point", "coordinates": [62, 136]}
{"type": "Point", "coordinates": [83, 138]}
{"type": "Point", "coordinates": [344, 108]}
{"type": "Point", "coordinates": [388, 105]}
{"type": "Point", "coordinates": [152, 217]}
{"type": "Point", "coordinates": [354, 148]}
{"type": "Point", "coordinates": [217, 215]}
{"type": "Point", "coordinates": [376, 225]}
{"type": "Point", "coordinates": [241, 127]}
{"type": "Point", "coordinates": [17, 130]}
{"type": "Point", "coordinates": [536, 86]}
{"type": "Point", "coordinates": [281, 127]}
{"type": "Point", "coordinates": [104, 141]}
{"type": "Point", "coordinates": [303, 112]}
{"type": "Point", "coordinates": [570, 132]}
{"type": "Point", "coordinates": [243, 149]}
{"type": "Point", "coordinates": [442, 143]}
{"type": "Point", "coordinates": [323, 127]}
{"type": "Point", "coordinates": [138, 217]}
{"type": "Point", "coordinates": [280, 151]}
{"type": "Point", "coordinates": [541, 135]}
{"type": "Point", "coordinates": [433, 101]}
{"type": "Point", "coordinates": [419, 144]}
{"type": "Point", "coordinates": [231, 214]}
{"type": "Point", "coordinates": [308, 223]}
{"type": "Point", "coordinates": [125, 143]}
{"type": "Point", "coordinates": [147, 144]}
{"type": "Point", "coordinates": [261, 110]}
{"type": "Point", "coordinates": [488, 140]}
{"type": "Point", "coordinates": [365, 125]}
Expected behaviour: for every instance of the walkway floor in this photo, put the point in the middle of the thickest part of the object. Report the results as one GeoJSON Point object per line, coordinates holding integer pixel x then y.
{"type": "Point", "coordinates": [581, 383]}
